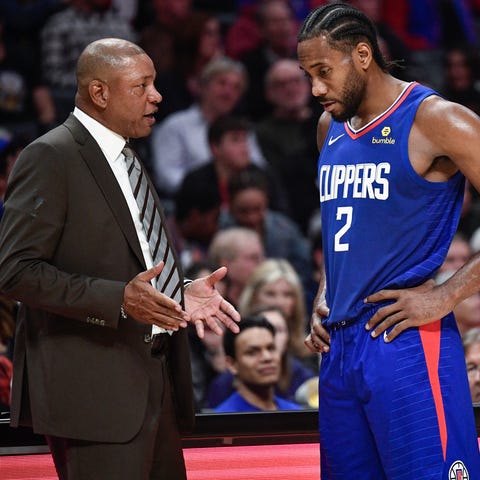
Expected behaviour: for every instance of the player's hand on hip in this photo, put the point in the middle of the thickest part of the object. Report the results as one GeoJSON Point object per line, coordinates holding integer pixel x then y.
{"type": "Point", "coordinates": [318, 340]}
{"type": "Point", "coordinates": [410, 307]}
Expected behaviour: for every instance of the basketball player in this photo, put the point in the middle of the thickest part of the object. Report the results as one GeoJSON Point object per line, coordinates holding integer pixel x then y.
{"type": "Point", "coordinates": [394, 397]}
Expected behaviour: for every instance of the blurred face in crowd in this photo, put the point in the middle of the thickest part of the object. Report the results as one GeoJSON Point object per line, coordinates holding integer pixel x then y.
{"type": "Point", "coordinates": [279, 323]}
{"type": "Point", "coordinates": [232, 150]}
{"type": "Point", "coordinates": [472, 358]}
{"type": "Point", "coordinates": [248, 208]}
{"type": "Point", "coordinates": [279, 28]}
{"type": "Point", "coordinates": [210, 40]}
{"type": "Point", "coordinates": [467, 313]}
{"type": "Point", "coordinates": [279, 293]}
{"type": "Point", "coordinates": [286, 86]}
{"type": "Point", "coordinates": [459, 72]}
{"type": "Point", "coordinates": [223, 92]}
{"type": "Point", "coordinates": [458, 254]}
{"type": "Point", "coordinates": [202, 225]}
{"type": "Point", "coordinates": [171, 11]}
{"type": "Point", "coordinates": [249, 255]}
{"type": "Point", "coordinates": [257, 360]}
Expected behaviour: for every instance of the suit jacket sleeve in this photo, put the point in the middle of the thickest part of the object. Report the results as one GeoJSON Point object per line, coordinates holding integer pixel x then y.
{"type": "Point", "coordinates": [36, 214]}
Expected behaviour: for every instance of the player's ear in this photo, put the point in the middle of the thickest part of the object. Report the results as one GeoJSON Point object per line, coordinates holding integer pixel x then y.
{"type": "Point", "coordinates": [363, 54]}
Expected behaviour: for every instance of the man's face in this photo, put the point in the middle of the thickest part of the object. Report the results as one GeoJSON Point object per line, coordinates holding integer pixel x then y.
{"type": "Point", "coordinates": [336, 79]}
{"type": "Point", "coordinates": [457, 256]}
{"type": "Point", "coordinates": [257, 360]}
{"type": "Point", "coordinates": [223, 92]}
{"type": "Point", "coordinates": [288, 88]}
{"type": "Point", "coordinates": [203, 225]}
{"type": "Point", "coordinates": [132, 98]}
{"type": "Point", "coordinates": [472, 358]}
{"type": "Point", "coordinates": [279, 28]}
{"type": "Point", "coordinates": [250, 254]}
{"type": "Point", "coordinates": [232, 150]}
{"type": "Point", "coordinates": [280, 293]}
{"type": "Point", "coordinates": [248, 208]}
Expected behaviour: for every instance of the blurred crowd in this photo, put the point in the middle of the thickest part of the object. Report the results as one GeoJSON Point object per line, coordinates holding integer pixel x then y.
{"type": "Point", "coordinates": [233, 156]}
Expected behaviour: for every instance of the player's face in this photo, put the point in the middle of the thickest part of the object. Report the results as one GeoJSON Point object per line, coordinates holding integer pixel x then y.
{"type": "Point", "coordinates": [336, 80]}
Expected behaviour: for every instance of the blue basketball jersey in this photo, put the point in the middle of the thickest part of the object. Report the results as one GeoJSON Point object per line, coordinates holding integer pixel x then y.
{"type": "Point", "coordinates": [383, 225]}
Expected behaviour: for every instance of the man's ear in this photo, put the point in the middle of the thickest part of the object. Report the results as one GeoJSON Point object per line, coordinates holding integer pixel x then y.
{"type": "Point", "coordinates": [98, 92]}
{"type": "Point", "coordinates": [364, 54]}
{"type": "Point", "coordinates": [231, 365]}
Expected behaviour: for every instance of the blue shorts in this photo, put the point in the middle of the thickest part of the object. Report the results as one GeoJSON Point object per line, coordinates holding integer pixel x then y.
{"type": "Point", "coordinates": [399, 410]}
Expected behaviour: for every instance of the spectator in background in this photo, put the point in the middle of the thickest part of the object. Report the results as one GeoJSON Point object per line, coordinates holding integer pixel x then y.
{"type": "Point", "coordinates": [197, 42]}
{"type": "Point", "coordinates": [194, 220]}
{"type": "Point", "coordinates": [275, 283]}
{"type": "Point", "coordinates": [427, 28]}
{"type": "Point", "coordinates": [241, 251]}
{"type": "Point", "coordinates": [287, 137]}
{"type": "Point", "coordinates": [462, 81]}
{"type": "Point", "coordinates": [293, 374]}
{"type": "Point", "coordinates": [164, 24]}
{"type": "Point", "coordinates": [467, 312]}
{"type": "Point", "coordinates": [179, 144]}
{"type": "Point", "coordinates": [64, 37]}
{"type": "Point", "coordinates": [10, 148]}
{"type": "Point", "coordinates": [471, 347]}
{"type": "Point", "coordinates": [243, 34]}
{"type": "Point", "coordinates": [281, 237]}
{"type": "Point", "coordinates": [391, 45]}
{"type": "Point", "coordinates": [458, 254]}
{"type": "Point", "coordinates": [253, 358]}
{"type": "Point", "coordinates": [26, 105]}
{"type": "Point", "coordinates": [278, 29]}
{"type": "Point", "coordinates": [228, 142]}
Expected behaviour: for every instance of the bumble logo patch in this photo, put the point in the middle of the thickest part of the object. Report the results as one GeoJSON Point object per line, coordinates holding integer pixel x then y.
{"type": "Point", "coordinates": [386, 139]}
{"type": "Point", "coordinates": [458, 471]}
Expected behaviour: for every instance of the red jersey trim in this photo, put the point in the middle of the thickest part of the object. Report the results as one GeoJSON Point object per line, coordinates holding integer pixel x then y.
{"type": "Point", "coordinates": [354, 135]}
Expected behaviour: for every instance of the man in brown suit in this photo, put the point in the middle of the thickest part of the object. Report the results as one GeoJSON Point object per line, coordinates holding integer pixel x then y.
{"type": "Point", "coordinates": [111, 401]}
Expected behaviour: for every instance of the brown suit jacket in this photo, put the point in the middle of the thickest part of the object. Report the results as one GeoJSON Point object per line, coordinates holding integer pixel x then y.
{"type": "Point", "coordinates": [68, 247]}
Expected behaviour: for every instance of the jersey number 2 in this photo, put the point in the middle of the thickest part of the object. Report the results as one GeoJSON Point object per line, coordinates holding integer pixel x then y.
{"type": "Point", "coordinates": [346, 212]}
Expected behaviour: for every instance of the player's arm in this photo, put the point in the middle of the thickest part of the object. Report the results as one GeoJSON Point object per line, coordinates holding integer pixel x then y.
{"type": "Point", "coordinates": [318, 340]}
{"type": "Point", "coordinates": [444, 140]}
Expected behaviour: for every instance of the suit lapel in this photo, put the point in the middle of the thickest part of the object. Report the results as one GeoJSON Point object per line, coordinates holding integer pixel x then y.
{"type": "Point", "coordinates": [106, 181]}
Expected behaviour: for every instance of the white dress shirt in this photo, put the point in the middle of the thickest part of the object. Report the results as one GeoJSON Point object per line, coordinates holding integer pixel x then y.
{"type": "Point", "coordinates": [112, 144]}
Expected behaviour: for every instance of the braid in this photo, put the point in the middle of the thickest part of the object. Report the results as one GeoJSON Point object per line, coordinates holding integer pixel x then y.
{"type": "Point", "coordinates": [343, 26]}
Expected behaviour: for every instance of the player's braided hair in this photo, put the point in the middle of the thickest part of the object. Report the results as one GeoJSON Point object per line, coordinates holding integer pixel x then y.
{"type": "Point", "coordinates": [343, 26]}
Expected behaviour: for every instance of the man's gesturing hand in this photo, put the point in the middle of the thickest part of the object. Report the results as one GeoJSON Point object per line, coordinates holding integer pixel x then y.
{"type": "Point", "coordinates": [146, 304]}
{"type": "Point", "coordinates": [205, 305]}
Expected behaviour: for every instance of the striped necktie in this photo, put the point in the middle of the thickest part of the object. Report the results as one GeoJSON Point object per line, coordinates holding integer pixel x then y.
{"type": "Point", "coordinates": [169, 280]}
